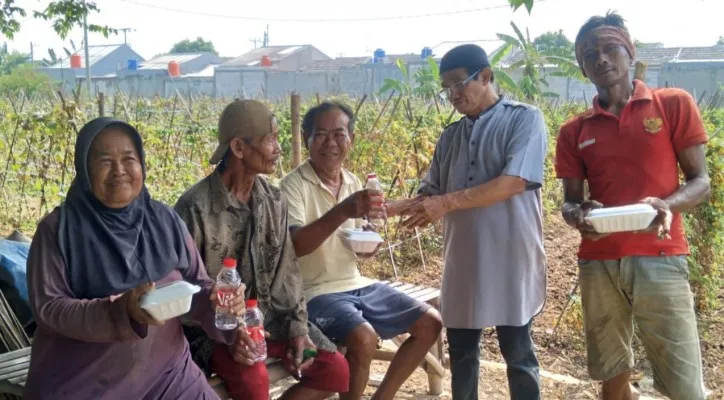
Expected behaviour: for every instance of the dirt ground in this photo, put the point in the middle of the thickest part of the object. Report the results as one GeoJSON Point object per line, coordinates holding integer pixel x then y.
{"type": "Point", "coordinates": [564, 352]}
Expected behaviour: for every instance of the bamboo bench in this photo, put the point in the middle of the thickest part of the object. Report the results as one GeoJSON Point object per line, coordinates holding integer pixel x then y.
{"type": "Point", "coordinates": [14, 365]}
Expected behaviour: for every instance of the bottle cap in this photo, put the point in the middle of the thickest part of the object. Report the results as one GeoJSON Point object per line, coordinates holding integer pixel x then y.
{"type": "Point", "coordinates": [371, 175]}
{"type": "Point", "coordinates": [229, 263]}
{"type": "Point", "coordinates": [251, 303]}
{"type": "Point", "coordinates": [309, 353]}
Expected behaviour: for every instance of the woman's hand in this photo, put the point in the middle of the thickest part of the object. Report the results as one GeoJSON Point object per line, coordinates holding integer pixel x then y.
{"type": "Point", "coordinates": [235, 302]}
{"type": "Point", "coordinates": [135, 312]}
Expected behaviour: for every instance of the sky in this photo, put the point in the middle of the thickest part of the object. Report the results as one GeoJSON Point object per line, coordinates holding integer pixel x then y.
{"type": "Point", "coordinates": [345, 28]}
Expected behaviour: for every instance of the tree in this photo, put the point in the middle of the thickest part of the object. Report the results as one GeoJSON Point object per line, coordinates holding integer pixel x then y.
{"type": "Point", "coordinates": [720, 42]}
{"type": "Point", "coordinates": [11, 61]}
{"type": "Point", "coordinates": [533, 63]}
{"type": "Point", "coordinates": [552, 40]}
{"type": "Point", "coordinates": [197, 46]}
{"type": "Point", "coordinates": [515, 4]}
{"type": "Point", "coordinates": [64, 15]}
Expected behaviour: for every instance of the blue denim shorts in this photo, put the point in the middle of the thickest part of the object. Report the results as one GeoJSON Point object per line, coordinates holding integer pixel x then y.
{"type": "Point", "coordinates": [389, 311]}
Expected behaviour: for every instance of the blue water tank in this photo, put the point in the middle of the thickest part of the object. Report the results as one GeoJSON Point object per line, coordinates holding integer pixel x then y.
{"type": "Point", "coordinates": [426, 52]}
{"type": "Point", "coordinates": [379, 56]}
{"type": "Point", "coordinates": [132, 65]}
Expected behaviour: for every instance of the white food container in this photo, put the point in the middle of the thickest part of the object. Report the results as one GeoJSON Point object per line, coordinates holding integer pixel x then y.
{"type": "Point", "coordinates": [630, 218]}
{"type": "Point", "coordinates": [169, 301]}
{"type": "Point", "coordinates": [360, 241]}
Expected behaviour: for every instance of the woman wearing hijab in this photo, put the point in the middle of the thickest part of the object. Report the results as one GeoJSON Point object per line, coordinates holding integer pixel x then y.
{"type": "Point", "coordinates": [91, 260]}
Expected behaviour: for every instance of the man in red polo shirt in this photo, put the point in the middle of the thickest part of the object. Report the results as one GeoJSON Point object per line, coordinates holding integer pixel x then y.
{"type": "Point", "coordinates": [629, 147]}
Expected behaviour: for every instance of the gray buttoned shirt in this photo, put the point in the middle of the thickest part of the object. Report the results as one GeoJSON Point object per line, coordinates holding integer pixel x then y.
{"type": "Point", "coordinates": [495, 271]}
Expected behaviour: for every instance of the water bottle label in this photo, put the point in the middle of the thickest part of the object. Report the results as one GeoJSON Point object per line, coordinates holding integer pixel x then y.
{"type": "Point", "coordinates": [256, 333]}
{"type": "Point", "coordinates": [225, 295]}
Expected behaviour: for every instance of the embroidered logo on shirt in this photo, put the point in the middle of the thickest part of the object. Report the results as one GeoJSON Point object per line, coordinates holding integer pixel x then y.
{"type": "Point", "coordinates": [653, 125]}
{"type": "Point", "coordinates": [586, 143]}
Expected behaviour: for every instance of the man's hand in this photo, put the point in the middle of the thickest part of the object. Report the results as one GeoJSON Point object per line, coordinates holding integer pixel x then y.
{"type": "Point", "coordinates": [295, 354]}
{"type": "Point", "coordinates": [367, 202]}
{"type": "Point", "coordinates": [576, 217]}
{"type": "Point", "coordinates": [135, 312]}
{"type": "Point", "coordinates": [426, 211]}
{"type": "Point", "coordinates": [396, 207]}
{"type": "Point", "coordinates": [662, 223]}
{"type": "Point", "coordinates": [243, 351]}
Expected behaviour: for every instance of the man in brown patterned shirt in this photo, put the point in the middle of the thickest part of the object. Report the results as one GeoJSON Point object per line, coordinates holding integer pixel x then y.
{"type": "Point", "coordinates": [235, 213]}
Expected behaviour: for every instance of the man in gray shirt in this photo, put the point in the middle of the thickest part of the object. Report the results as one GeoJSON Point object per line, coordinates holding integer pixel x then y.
{"type": "Point", "coordinates": [484, 182]}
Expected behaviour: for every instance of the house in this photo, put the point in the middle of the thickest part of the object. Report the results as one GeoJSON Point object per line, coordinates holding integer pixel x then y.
{"type": "Point", "coordinates": [281, 58]}
{"type": "Point", "coordinates": [248, 75]}
{"type": "Point", "coordinates": [105, 61]}
{"type": "Point", "coordinates": [153, 77]}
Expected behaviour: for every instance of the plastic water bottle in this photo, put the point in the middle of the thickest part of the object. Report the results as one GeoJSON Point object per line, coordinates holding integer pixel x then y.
{"type": "Point", "coordinates": [227, 281]}
{"type": "Point", "coordinates": [254, 321]}
{"type": "Point", "coordinates": [374, 184]}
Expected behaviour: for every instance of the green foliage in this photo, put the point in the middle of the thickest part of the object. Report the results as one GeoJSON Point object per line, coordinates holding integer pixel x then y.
{"type": "Point", "coordinates": [533, 63]}
{"type": "Point", "coordinates": [424, 83]}
{"type": "Point", "coordinates": [197, 46]}
{"type": "Point", "coordinates": [63, 15]}
{"type": "Point", "coordinates": [553, 40]}
{"type": "Point", "coordinates": [705, 224]}
{"type": "Point", "coordinates": [532, 83]}
{"type": "Point", "coordinates": [25, 79]}
{"type": "Point", "coordinates": [515, 4]}
{"type": "Point", "coordinates": [11, 60]}
{"type": "Point", "coordinates": [37, 138]}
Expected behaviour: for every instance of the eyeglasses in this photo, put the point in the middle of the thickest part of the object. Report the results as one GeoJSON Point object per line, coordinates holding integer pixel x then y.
{"type": "Point", "coordinates": [457, 86]}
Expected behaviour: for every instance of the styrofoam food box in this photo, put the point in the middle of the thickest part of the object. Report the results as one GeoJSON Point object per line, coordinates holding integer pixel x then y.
{"type": "Point", "coordinates": [169, 301]}
{"type": "Point", "coordinates": [360, 241]}
{"type": "Point", "coordinates": [629, 218]}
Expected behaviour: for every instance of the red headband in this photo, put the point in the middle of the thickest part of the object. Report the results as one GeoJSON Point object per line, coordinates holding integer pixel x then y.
{"type": "Point", "coordinates": [606, 34]}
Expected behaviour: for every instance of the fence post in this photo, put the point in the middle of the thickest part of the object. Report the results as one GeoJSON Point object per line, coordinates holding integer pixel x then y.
{"type": "Point", "coordinates": [296, 132]}
{"type": "Point", "coordinates": [101, 104]}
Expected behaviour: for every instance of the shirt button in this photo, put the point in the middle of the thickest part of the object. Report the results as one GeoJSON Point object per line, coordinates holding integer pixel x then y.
{"type": "Point", "coordinates": [470, 178]}
{"type": "Point", "coordinates": [472, 162]}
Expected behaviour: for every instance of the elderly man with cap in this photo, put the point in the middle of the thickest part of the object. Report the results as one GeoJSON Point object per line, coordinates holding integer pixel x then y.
{"type": "Point", "coordinates": [235, 213]}
{"type": "Point", "coordinates": [629, 147]}
{"type": "Point", "coordinates": [485, 183]}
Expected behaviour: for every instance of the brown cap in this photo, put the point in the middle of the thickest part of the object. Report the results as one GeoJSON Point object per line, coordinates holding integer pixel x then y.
{"type": "Point", "coordinates": [242, 119]}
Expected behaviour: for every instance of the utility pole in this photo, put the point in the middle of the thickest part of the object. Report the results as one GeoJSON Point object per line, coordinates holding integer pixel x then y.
{"type": "Point", "coordinates": [255, 41]}
{"type": "Point", "coordinates": [32, 52]}
{"type": "Point", "coordinates": [125, 30]}
{"type": "Point", "coordinates": [87, 57]}
{"type": "Point", "coordinates": [266, 37]}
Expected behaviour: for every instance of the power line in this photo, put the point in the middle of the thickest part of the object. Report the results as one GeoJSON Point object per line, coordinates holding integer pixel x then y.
{"type": "Point", "coordinates": [369, 19]}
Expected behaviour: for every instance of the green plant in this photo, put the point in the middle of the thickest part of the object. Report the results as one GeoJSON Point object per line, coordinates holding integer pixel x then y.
{"type": "Point", "coordinates": [25, 79]}
{"type": "Point", "coordinates": [532, 82]}
{"type": "Point", "coordinates": [37, 135]}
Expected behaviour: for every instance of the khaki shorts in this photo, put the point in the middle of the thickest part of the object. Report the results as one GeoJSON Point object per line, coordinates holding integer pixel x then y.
{"type": "Point", "coordinates": [654, 292]}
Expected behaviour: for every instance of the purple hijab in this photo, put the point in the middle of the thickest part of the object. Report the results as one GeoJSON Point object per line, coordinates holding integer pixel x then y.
{"type": "Point", "coordinates": [109, 251]}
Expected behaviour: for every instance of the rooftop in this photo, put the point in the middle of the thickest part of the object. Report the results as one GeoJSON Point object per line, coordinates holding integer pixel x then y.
{"type": "Point", "coordinates": [275, 53]}
{"type": "Point", "coordinates": [161, 62]}
{"type": "Point", "coordinates": [95, 54]}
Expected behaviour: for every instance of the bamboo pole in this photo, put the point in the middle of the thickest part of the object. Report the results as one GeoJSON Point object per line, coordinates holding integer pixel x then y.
{"type": "Point", "coordinates": [296, 132]}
